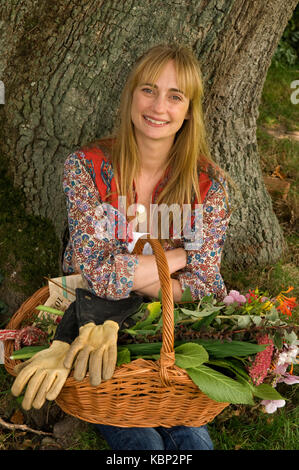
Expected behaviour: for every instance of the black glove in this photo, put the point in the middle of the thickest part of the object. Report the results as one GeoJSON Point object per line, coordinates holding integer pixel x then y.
{"type": "Point", "coordinates": [91, 308]}
{"type": "Point", "coordinates": [68, 328]}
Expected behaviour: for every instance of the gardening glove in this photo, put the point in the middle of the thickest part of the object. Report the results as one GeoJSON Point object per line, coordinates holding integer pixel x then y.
{"type": "Point", "coordinates": [91, 308]}
{"type": "Point", "coordinates": [45, 373]}
{"type": "Point", "coordinates": [96, 346]}
{"type": "Point", "coordinates": [95, 350]}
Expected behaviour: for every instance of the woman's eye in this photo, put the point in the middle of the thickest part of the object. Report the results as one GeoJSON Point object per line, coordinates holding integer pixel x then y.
{"type": "Point", "coordinates": [176, 98]}
{"type": "Point", "coordinates": [147, 90]}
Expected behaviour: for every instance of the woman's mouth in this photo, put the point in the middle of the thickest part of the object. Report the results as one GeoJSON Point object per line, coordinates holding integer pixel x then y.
{"type": "Point", "coordinates": [155, 122]}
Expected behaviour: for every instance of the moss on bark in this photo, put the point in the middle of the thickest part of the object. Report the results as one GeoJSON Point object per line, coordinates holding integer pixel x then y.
{"type": "Point", "coordinates": [29, 247]}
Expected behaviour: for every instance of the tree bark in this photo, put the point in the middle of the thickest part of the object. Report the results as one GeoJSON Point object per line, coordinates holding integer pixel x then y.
{"type": "Point", "coordinates": [64, 64]}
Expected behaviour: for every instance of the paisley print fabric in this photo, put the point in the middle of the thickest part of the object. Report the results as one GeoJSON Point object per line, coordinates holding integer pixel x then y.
{"type": "Point", "coordinates": [105, 260]}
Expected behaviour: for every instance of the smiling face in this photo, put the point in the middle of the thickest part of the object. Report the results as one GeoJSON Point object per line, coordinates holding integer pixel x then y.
{"type": "Point", "coordinates": [158, 110]}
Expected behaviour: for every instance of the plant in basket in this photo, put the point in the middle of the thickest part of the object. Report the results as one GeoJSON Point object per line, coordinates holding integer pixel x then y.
{"type": "Point", "coordinates": [236, 351]}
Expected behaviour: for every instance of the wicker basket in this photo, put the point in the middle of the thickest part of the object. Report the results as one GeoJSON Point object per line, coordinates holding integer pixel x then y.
{"type": "Point", "coordinates": [143, 393]}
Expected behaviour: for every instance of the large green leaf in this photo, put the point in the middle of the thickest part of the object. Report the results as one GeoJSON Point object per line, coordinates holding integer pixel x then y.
{"type": "Point", "coordinates": [190, 355]}
{"type": "Point", "coordinates": [266, 392]}
{"type": "Point", "coordinates": [219, 387]}
{"type": "Point", "coordinates": [231, 348]}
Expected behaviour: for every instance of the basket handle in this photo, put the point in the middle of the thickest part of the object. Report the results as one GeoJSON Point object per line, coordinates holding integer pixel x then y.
{"type": "Point", "coordinates": [167, 355]}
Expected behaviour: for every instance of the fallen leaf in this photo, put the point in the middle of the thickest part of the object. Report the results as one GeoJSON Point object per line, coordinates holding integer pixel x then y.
{"type": "Point", "coordinates": [17, 417]}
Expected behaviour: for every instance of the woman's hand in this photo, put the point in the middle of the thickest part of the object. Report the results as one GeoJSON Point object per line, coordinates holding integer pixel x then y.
{"type": "Point", "coordinates": [146, 272]}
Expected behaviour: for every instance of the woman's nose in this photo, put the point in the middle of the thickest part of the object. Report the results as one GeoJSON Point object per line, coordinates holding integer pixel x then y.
{"type": "Point", "coordinates": [159, 103]}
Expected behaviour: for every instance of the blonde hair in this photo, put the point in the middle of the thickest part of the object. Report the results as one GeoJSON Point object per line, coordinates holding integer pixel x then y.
{"type": "Point", "coordinates": [190, 152]}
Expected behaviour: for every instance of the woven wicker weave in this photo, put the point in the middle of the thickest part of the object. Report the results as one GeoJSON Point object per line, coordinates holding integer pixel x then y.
{"type": "Point", "coordinates": [143, 393]}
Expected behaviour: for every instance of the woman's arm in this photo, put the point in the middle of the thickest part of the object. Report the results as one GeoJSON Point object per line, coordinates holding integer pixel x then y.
{"type": "Point", "coordinates": [105, 264]}
{"type": "Point", "coordinates": [202, 272]}
{"type": "Point", "coordinates": [152, 290]}
{"type": "Point", "coordinates": [146, 272]}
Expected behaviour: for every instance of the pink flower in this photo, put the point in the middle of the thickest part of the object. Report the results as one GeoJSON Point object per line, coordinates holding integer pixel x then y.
{"type": "Point", "coordinates": [280, 369]}
{"type": "Point", "coordinates": [228, 300]}
{"type": "Point", "coordinates": [234, 296]}
{"type": "Point", "coordinates": [289, 379]}
{"type": "Point", "coordinates": [259, 369]}
{"type": "Point", "coordinates": [272, 405]}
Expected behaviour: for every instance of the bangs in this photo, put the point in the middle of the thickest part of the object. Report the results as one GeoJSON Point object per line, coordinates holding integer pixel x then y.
{"type": "Point", "coordinates": [188, 74]}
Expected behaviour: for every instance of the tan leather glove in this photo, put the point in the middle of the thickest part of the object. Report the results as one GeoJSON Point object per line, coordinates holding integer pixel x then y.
{"type": "Point", "coordinates": [44, 375]}
{"type": "Point", "coordinates": [95, 351]}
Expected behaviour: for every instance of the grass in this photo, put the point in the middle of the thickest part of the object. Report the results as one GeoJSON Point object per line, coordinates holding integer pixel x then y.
{"type": "Point", "coordinates": [88, 440]}
{"type": "Point", "coordinates": [260, 432]}
{"type": "Point", "coordinates": [276, 107]}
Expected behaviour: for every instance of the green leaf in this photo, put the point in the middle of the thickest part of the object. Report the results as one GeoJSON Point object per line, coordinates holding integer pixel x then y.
{"type": "Point", "coordinates": [278, 342]}
{"type": "Point", "coordinates": [203, 313]}
{"type": "Point", "coordinates": [231, 348]}
{"type": "Point", "coordinates": [244, 321]}
{"type": "Point", "coordinates": [123, 357]}
{"type": "Point", "coordinates": [27, 352]}
{"type": "Point", "coordinates": [230, 309]}
{"type": "Point", "coordinates": [154, 309]}
{"type": "Point", "coordinates": [149, 331]}
{"type": "Point", "coordinates": [238, 368]}
{"type": "Point", "coordinates": [219, 387]}
{"type": "Point", "coordinates": [257, 320]}
{"type": "Point", "coordinates": [232, 366]}
{"type": "Point", "coordinates": [206, 321]}
{"type": "Point", "coordinates": [187, 296]}
{"type": "Point", "coordinates": [52, 310]}
{"type": "Point", "coordinates": [272, 315]}
{"type": "Point", "coordinates": [190, 355]}
{"type": "Point", "coordinates": [266, 392]}
{"type": "Point", "coordinates": [290, 337]}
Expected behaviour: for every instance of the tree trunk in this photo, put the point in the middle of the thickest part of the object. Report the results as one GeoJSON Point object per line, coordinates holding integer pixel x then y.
{"type": "Point", "coordinates": [64, 63]}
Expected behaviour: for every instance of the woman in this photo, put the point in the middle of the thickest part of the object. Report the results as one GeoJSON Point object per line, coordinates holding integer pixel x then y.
{"type": "Point", "coordinates": [159, 155]}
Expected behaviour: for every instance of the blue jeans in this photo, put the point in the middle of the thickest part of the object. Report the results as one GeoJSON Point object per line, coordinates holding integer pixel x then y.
{"type": "Point", "coordinates": [175, 438]}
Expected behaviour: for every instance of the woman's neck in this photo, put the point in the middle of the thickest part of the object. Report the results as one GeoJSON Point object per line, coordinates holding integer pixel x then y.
{"type": "Point", "coordinates": [153, 157]}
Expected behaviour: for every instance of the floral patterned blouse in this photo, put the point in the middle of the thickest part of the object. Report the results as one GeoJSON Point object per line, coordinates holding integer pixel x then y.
{"type": "Point", "coordinates": [106, 262]}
